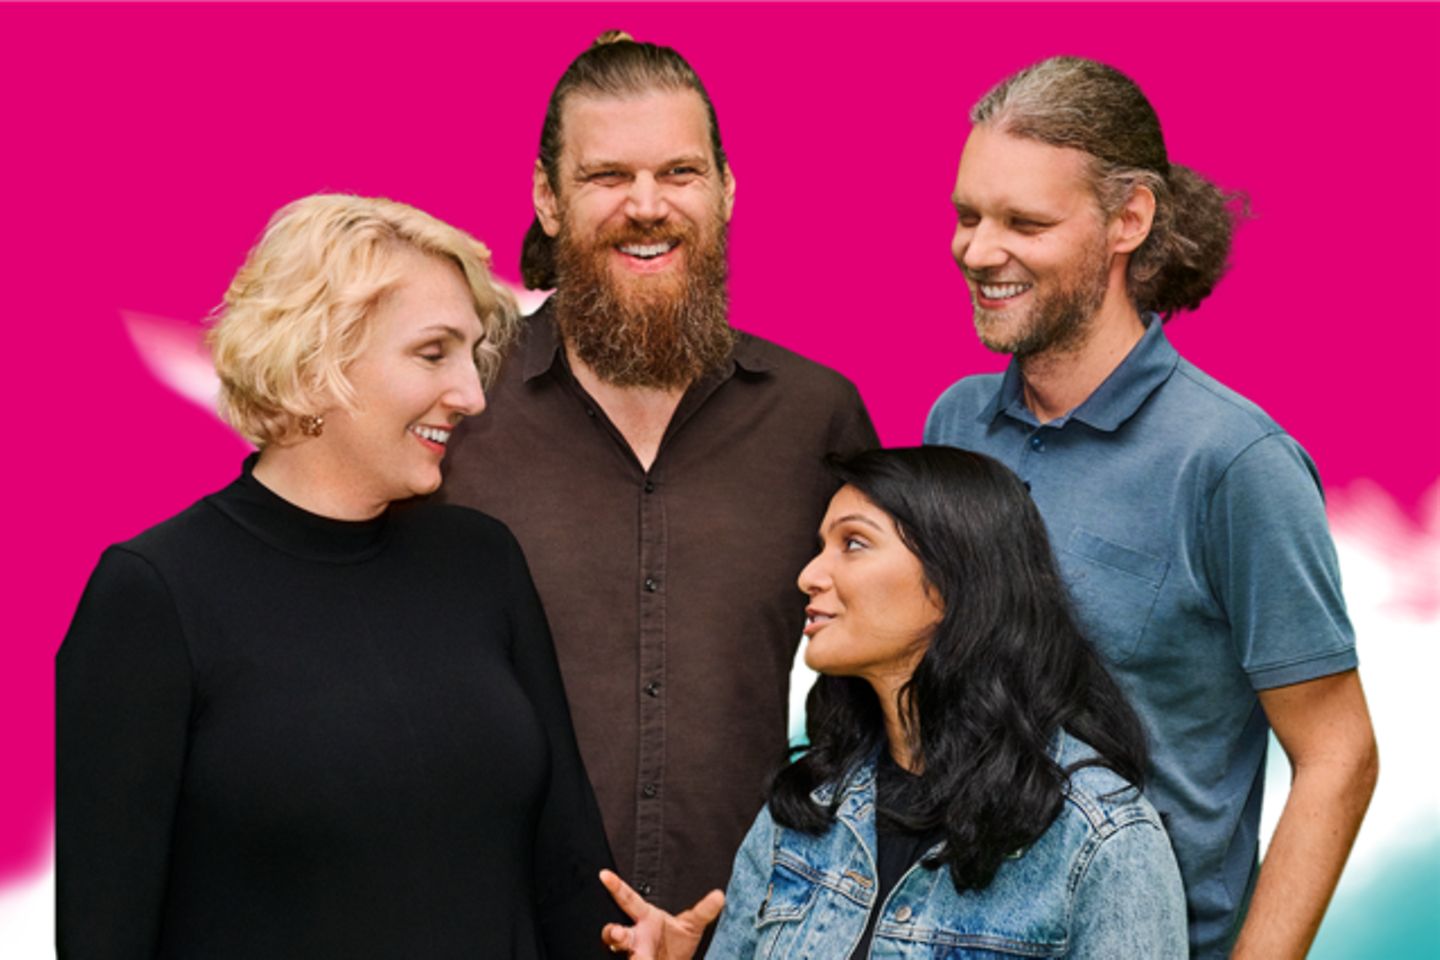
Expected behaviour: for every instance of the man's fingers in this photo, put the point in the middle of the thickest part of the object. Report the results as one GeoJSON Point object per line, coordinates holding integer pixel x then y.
{"type": "Point", "coordinates": [706, 910]}
{"type": "Point", "coordinates": [616, 937]}
{"type": "Point", "coordinates": [627, 899]}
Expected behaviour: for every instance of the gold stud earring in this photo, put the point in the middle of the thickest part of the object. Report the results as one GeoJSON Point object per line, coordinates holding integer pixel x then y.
{"type": "Point", "coordinates": [312, 425]}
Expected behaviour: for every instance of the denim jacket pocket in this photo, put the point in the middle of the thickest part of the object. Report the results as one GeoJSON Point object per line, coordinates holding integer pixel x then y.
{"type": "Point", "coordinates": [1114, 589]}
{"type": "Point", "coordinates": [792, 891]}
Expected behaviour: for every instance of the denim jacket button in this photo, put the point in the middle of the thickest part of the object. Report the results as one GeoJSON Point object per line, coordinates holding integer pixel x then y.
{"type": "Point", "coordinates": [903, 914]}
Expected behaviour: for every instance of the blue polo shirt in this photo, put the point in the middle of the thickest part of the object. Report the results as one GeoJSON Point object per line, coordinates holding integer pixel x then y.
{"type": "Point", "coordinates": [1191, 531]}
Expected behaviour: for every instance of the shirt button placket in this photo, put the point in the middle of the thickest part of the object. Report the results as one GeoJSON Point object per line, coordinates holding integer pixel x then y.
{"type": "Point", "coordinates": [650, 775]}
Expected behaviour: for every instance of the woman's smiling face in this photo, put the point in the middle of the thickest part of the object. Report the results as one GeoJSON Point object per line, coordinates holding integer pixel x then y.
{"type": "Point", "coordinates": [414, 381]}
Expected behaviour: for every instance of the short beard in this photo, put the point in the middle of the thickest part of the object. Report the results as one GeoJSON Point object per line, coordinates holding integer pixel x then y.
{"type": "Point", "coordinates": [1059, 321]}
{"type": "Point", "coordinates": [662, 332]}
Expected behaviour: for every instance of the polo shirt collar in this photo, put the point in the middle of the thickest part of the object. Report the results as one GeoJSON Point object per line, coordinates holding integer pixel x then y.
{"type": "Point", "coordinates": [1148, 364]}
{"type": "Point", "coordinates": [540, 349]}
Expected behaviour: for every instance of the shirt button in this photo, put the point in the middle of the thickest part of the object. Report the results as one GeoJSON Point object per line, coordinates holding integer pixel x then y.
{"type": "Point", "coordinates": [652, 688]}
{"type": "Point", "coordinates": [589, 411]}
{"type": "Point", "coordinates": [650, 585]}
{"type": "Point", "coordinates": [903, 914]}
{"type": "Point", "coordinates": [648, 791]}
{"type": "Point", "coordinates": [643, 888]}
{"type": "Point", "coordinates": [1036, 443]}
{"type": "Point", "coordinates": [649, 487]}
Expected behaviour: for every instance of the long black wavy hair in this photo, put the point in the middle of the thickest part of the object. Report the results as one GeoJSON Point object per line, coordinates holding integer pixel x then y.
{"type": "Point", "coordinates": [1006, 668]}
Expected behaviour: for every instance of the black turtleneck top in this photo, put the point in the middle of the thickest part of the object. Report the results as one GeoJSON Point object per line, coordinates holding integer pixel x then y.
{"type": "Point", "coordinates": [280, 735]}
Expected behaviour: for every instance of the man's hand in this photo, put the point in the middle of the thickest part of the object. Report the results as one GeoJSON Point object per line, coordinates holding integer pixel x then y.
{"type": "Point", "coordinates": [656, 935]}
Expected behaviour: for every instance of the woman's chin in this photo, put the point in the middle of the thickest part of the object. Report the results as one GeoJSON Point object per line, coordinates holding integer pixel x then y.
{"type": "Point", "coordinates": [816, 660]}
{"type": "Point", "coordinates": [423, 486]}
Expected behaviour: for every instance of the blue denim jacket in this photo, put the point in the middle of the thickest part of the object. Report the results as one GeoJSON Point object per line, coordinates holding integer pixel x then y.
{"type": "Point", "coordinates": [1100, 882]}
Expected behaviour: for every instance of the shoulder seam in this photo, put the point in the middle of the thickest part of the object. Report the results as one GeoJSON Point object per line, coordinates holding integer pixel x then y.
{"type": "Point", "coordinates": [185, 643]}
{"type": "Point", "coordinates": [1230, 465]}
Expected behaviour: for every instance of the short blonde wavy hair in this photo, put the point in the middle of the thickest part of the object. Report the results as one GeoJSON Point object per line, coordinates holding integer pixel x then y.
{"type": "Point", "coordinates": [295, 316]}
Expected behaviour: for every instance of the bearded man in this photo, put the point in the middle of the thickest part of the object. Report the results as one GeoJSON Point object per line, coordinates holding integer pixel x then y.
{"type": "Point", "coordinates": [663, 471]}
{"type": "Point", "coordinates": [1189, 527]}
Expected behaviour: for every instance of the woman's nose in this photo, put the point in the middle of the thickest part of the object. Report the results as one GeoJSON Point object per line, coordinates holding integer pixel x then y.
{"type": "Point", "coordinates": [812, 578]}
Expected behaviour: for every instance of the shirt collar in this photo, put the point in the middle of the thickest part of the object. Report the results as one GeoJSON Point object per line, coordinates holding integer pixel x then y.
{"type": "Point", "coordinates": [540, 344]}
{"type": "Point", "coordinates": [540, 349]}
{"type": "Point", "coordinates": [1148, 364]}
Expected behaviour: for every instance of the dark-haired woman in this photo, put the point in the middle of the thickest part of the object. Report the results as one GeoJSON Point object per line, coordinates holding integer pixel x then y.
{"type": "Point", "coordinates": [971, 784]}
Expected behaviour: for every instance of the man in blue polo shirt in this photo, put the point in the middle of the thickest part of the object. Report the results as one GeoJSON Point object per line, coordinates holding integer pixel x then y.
{"type": "Point", "coordinates": [1190, 528]}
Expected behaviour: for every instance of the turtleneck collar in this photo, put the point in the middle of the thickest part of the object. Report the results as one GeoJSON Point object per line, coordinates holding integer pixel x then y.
{"type": "Point", "coordinates": [294, 530]}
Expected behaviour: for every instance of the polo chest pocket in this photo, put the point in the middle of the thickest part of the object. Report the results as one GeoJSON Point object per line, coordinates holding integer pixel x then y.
{"type": "Point", "coordinates": [1114, 589]}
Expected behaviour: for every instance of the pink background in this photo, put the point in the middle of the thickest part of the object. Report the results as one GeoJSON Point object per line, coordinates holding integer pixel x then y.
{"type": "Point", "coordinates": [144, 148]}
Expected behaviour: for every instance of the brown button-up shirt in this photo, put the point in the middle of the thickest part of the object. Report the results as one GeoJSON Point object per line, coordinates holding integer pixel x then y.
{"type": "Point", "coordinates": [671, 593]}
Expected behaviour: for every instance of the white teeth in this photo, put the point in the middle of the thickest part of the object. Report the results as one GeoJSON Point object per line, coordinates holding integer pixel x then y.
{"type": "Point", "coordinates": [433, 434]}
{"type": "Point", "coordinates": [647, 251]}
{"type": "Point", "coordinates": [1002, 291]}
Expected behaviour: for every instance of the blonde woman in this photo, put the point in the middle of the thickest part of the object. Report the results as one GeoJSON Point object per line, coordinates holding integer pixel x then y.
{"type": "Point", "coordinates": [301, 719]}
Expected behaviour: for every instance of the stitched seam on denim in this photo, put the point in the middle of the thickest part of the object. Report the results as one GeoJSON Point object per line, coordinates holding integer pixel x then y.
{"type": "Point", "coordinates": [1089, 808]}
{"type": "Point", "coordinates": [1078, 869]}
{"type": "Point", "coordinates": [1083, 862]}
{"type": "Point", "coordinates": [931, 935]}
{"type": "Point", "coordinates": [867, 899]}
{"type": "Point", "coordinates": [816, 878]}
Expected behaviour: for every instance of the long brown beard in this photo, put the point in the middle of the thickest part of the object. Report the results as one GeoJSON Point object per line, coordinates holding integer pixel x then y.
{"type": "Point", "coordinates": [661, 331]}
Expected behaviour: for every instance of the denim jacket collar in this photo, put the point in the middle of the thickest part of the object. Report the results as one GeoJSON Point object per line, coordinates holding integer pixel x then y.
{"type": "Point", "coordinates": [857, 790]}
